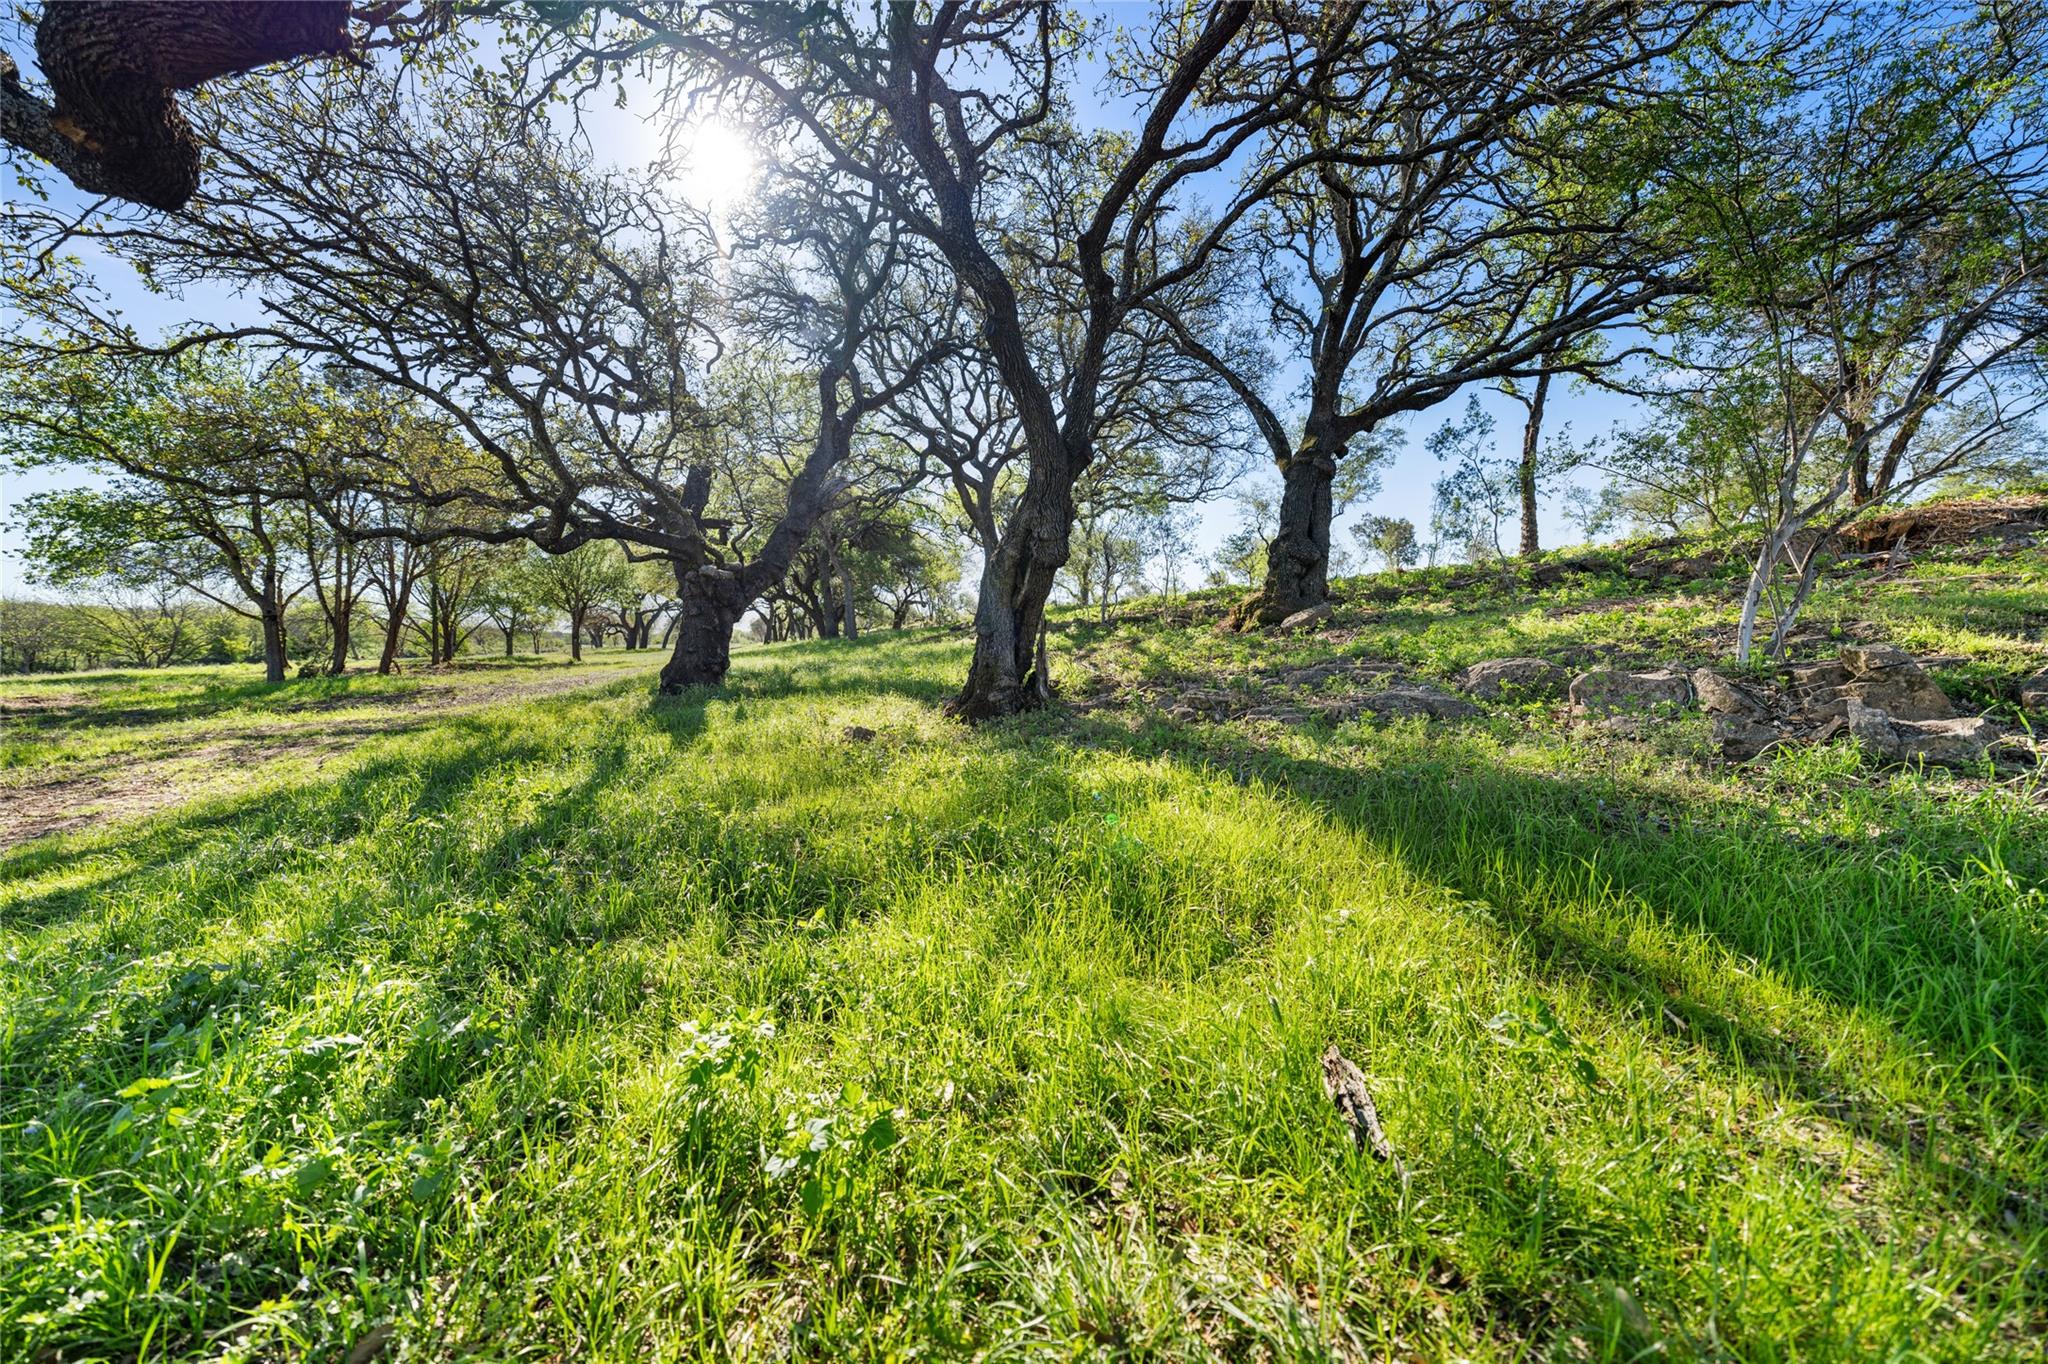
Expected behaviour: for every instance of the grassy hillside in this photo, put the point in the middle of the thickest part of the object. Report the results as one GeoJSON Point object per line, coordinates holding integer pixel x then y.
{"type": "Point", "coordinates": [587, 1025]}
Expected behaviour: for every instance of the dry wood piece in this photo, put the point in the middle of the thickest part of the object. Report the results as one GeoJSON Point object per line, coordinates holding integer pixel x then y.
{"type": "Point", "coordinates": [1344, 1082]}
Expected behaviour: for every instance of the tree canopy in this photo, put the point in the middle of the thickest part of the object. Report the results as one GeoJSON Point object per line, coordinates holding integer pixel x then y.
{"type": "Point", "coordinates": [1013, 273]}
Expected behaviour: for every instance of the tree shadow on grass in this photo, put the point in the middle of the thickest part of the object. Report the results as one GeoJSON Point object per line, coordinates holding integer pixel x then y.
{"type": "Point", "coordinates": [186, 822]}
{"type": "Point", "coordinates": [1486, 833]}
{"type": "Point", "coordinates": [175, 700]}
{"type": "Point", "coordinates": [149, 845]}
{"type": "Point", "coordinates": [290, 697]}
{"type": "Point", "coordinates": [273, 836]}
{"type": "Point", "coordinates": [874, 664]}
{"type": "Point", "coordinates": [221, 859]}
{"type": "Point", "coordinates": [1524, 845]}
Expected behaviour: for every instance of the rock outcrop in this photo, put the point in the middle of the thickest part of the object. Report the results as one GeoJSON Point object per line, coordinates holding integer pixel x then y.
{"type": "Point", "coordinates": [1877, 694]}
{"type": "Point", "coordinates": [1514, 677]}
{"type": "Point", "coordinates": [1963, 741]}
{"type": "Point", "coordinates": [1719, 696]}
{"type": "Point", "coordinates": [1399, 699]}
{"type": "Point", "coordinates": [1611, 691]}
{"type": "Point", "coordinates": [1742, 739]}
{"type": "Point", "coordinates": [1882, 676]}
{"type": "Point", "coordinates": [1413, 698]}
{"type": "Point", "coordinates": [2034, 693]}
{"type": "Point", "coordinates": [1308, 619]}
{"type": "Point", "coordinates": [1886, 678]}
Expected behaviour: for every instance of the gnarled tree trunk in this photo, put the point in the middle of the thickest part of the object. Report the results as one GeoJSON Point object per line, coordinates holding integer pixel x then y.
{"type": "Point", "coordinates": [1009, 672]}
{"type": "Point", "coordinates": [709, 603]}
{"type": "Point", "coordinates": [273, 642]}
{"type": "Point", "coordinates": [1298, 560]}
{"type": "Point", "coordinates": [115, 69]}
{"type": "Point", "coordinates": [343, 626]}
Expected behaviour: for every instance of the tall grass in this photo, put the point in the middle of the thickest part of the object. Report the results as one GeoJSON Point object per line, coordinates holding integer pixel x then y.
{"type": "Point", "coordinates": [616, 1028]}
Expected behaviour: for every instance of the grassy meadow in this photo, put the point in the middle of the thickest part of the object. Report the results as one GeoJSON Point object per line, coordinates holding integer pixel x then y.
{"type": "Point", "coordinates": [590, 1025]}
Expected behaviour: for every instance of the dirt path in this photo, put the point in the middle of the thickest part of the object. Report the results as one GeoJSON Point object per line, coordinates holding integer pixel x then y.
{"type": "Point", "coordinates": [122, 786]}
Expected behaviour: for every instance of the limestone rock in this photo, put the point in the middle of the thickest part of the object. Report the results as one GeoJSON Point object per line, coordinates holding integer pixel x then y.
{"type": "Point", "coordinates": [1309, 619]}
{"type": "Point", "coordinates": [1906, 697]}
{"type": "Point", "coordinates": [1864, 659]}
{"type": "Point", "coordinates": [1872, 728]}
{"type": "Point", "coordinates": [1610, 689]}
{"type": "Point", "coordinates": [1719, 696]}
{"type": "Point", "coordinates": [1887, 678]}
{"type": "Point", "coordinates": [1815, 677]}
{"type": "Point", "coordinates": [1413, 698]}
{"type": "Point", "coordinates": [1742, 738]}
{"type": "Point", "coordinates": [2034, 693]}
{"type": "Point", "coordinates": [1698, 566]}
{"type": "Point", "coordinates": [1962, 741]}
{"type": "Point", "coordinates": [1881, 676]}
{"type": "Point", "coordinates": [1530, 676]}
{"type": "Point", "coordinates": [1200, 705]}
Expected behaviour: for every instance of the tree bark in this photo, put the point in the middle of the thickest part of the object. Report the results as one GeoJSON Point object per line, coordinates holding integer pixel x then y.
{"type": "Point", "coordinates": [1009, 672]}
{"type": "Point", "coordinates": [1802, 588]}
{"type": "Point", "coordinates": [1532, 438]}
{"type": "Point", "coordinates": [115, 68]}
{"type": "Point", "coordinates": [394, 635]}
{"type": "Point", "coordinates": [1760, 575]}
{"type": "Point", "coordinates": [709, 603]}
{"type": "Point", "coordinates": [342, 624]}
{"type": "Point", "coordinates": [1298, 560]}
{"type": "Point", "coordinates": [270, 610]}
{"type": "Point", "coordinates": [273, 642]}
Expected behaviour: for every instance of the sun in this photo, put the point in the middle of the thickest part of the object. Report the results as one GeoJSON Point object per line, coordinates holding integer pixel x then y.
{"type": "Point", "coordinates": [715, 164]}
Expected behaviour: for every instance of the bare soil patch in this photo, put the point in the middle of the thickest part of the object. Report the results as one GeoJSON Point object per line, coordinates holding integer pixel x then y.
{"type": "Point", "coordinates": [125, 786]}
{"type": "Point", "coordinates": [31, 703]}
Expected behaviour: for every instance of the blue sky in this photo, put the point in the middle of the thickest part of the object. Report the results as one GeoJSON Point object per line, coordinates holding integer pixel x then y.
{"type": "Point", "coordinates": [719, 164]}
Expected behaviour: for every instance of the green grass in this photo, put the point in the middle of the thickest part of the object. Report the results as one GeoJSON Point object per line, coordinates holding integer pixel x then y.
{"type": "Point", "coordinates": [600, 1026]}
{"type": "Point", "coordinates": [1986, 624]}
{"type": "Point", "coordinates": [54, 720]}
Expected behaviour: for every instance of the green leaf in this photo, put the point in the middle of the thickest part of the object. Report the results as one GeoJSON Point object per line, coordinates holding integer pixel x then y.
{"type": "Point", "coordinates": [312, 1174]}
{"type": "Point", "coordinates": [880, 1135]}
{"type": "Point", "coordinates": [148, 1085]}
